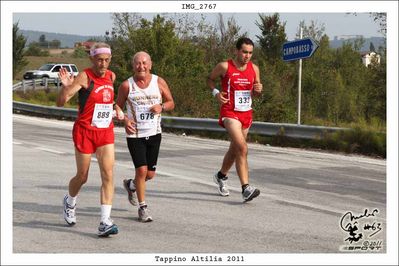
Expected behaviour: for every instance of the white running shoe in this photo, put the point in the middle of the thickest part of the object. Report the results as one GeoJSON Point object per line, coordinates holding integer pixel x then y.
{"type": "Point", "coordinates": [144, 215]}
{"type": "Point", "coordinates": [69, 212]}
{"type": "Point", "coordinates": [131, 195]}
{"type": "Point", "coordinates": [107, 228]}
{"type": "Point", "coordinates": [250, 193]}
{"type": "Point", "coordinates": [221, 185]}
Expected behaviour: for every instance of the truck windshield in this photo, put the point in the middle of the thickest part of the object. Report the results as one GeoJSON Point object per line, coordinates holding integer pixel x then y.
{"type": "Point", "coordinates": [46, 67]}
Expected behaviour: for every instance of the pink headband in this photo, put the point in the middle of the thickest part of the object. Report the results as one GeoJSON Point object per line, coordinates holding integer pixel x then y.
{"type": "Point", "coordinates": [97, 51]}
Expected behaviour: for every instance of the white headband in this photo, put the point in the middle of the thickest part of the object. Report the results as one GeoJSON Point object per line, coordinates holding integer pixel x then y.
{"type": "Point", "coordinates": [103, 50]}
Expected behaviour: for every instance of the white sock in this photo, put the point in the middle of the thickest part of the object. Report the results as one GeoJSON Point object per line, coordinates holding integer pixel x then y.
{"type": "Point", "coordinates": [71, 200]}
{"type": "Point", "coordinates": [105, 212]}
{"type": "Point", "coordinates": [142, 204]}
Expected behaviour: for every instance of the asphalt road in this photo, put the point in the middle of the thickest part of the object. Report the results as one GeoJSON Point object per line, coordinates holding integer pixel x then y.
{"type": "Point", "coordinates": [305, 197]}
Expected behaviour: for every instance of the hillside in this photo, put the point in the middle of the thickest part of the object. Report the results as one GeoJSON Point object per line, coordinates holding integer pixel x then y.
{"type": "Point", "coordinates": [67, 40]}
{"type": "Point", "coordinates": [377, 42]}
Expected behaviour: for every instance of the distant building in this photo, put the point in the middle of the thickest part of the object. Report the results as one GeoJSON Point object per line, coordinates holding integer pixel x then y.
{"type": "Point", "coordinates": [347, 37]}
{"type": "Point", "coordinates": [85, 45]}
{"type": "Point", "coordinates": [369, 57]}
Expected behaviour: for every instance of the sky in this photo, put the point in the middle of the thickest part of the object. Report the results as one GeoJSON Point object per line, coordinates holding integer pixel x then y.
{"type": "Point", "coordinates": [96, 24]}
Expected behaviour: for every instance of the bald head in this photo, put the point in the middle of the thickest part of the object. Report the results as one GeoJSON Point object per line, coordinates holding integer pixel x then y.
{"type": "Point", "coordinates": [141, 56]}
{"type": "Point", "coordinates": [141, 65]}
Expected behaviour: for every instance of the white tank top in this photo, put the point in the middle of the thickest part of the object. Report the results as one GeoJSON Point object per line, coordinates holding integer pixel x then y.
{"type": "Point", "coordinates": [138, 103]}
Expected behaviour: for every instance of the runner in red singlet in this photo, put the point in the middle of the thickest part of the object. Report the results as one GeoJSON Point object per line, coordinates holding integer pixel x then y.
{"type": "Point", "coordinates": [93, 131]}
{"type": "Point", "coordinates": [240, 82]}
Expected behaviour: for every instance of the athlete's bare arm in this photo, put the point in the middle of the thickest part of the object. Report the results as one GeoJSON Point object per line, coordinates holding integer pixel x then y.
{"type": "Point", "coordinates": [167, 98]}
{"type": "Point", "coordinates": [257, 85]}
{"type": "Point", "coordinates": [70, 85]}
{"type": "Point", "coordinates": [218, 72]}
{"type": "Point", "coordinates": [123, 93]}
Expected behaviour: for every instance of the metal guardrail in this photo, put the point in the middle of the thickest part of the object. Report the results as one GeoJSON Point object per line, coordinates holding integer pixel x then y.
{"type": "Point", "coordinates": [33, 83]}
{"type": "Point", "coordinates": [203, 124]}
{"type": "Point", "coordinates": [68, 113]}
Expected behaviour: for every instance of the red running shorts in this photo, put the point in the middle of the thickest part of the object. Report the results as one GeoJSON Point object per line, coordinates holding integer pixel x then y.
{"type": "Point", "coordinates": [87, 141]}
{"type": "Point", "coordinates": [244, 117]}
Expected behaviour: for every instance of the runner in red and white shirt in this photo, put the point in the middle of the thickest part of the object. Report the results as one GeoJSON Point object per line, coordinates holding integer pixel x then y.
{"type": "Point", "coordinates": [93, 131]}
{"type": "Point", "coordinates": [240, 80]}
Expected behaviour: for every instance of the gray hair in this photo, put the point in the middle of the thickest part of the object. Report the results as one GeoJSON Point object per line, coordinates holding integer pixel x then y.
{"type": "Point", "coordinates": [140, 53]}
{"type": "Point", "coordinates": [99, 45]}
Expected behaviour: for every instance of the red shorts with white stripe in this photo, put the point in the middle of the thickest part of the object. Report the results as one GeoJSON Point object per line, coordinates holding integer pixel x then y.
{"type": "Point", "coordinates": [87, 141]}
{"type": "Point", "coordinates": [244, 117]}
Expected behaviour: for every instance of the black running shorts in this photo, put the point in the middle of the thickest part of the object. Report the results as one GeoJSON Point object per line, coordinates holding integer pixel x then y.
{"type": "Point", "coordinates": [144, 151]}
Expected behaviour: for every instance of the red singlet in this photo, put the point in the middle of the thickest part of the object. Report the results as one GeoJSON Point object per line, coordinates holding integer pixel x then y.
{"type": "Point", "coordinates": [239, 85]}
{"type": "Point", "coordinates": [94, 126]}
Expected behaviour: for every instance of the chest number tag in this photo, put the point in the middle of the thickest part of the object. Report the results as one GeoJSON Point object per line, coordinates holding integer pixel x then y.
{"type": "Point", "coordinates": [102, 115]}
{"type": "Point", "coordinates": [145, 118]}
{"type": "Point", "coordinates": [242, 100]}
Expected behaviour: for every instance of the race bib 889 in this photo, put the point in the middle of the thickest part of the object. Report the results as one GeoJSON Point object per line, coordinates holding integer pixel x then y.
{"type": "Point", "coordinates": [102, 115]}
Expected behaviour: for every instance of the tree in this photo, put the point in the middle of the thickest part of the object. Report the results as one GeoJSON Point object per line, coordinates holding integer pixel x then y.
{"type": "Point", "coordinates": [42, 41]}
{"type": "Point", "coordinates": [229, 34]}
{"type": "Point", "coordinates": [273, 36]}
{"type": "Point", "coordinates": [55, 44]}
{"type": "Point", "coordinates": [218, 41]}
{"type": "Point", "coordinates": [317, 78]}
{"type": "Point", "coordinates": [79, 52]}
{"type": "Point", "coordinates": [34, 49]}
{"type": "Point", "coordinates": [314, 30]}
{"type": "Point", "coordinates": [376, 91]}
{"type": "Point", "coordinates": [381, 18]}
{"type": "Point", "coordinates": [18, 47]}
{"type": "Point", "coordinates": [42, 38]}
{"type": "Point", "coordinates": [372, 48]}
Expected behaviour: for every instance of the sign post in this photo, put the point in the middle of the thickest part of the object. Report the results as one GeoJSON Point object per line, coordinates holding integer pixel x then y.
{"type": "Point", "coordinates": [299, 49]}
{"type": "Point", "coordinates": [299, 84]}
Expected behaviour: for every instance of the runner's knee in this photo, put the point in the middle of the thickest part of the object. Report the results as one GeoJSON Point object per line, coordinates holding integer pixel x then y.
{"type": "Point", "coordinates": [241, 149]}
{"type": "Point", "coordinates": [106, 175]}
{"type": "Point", "coordinates": [141, 172]}
{"type": "Point", "coordinates": [82, 176]}
{"type": "Point", "coordinates": [150, 175]}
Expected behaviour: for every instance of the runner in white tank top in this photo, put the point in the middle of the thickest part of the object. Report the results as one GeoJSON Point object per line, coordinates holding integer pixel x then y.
{"type": "Point", "coordinates": [145, 96]}
{"type": "Point", "coordinates": [138, 104]}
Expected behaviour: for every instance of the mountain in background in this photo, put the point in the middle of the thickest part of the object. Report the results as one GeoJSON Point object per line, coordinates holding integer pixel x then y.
{"type": "Point", "coordinates": [69, 40]}
{"type": "Point", "coordinates": [339, 40]}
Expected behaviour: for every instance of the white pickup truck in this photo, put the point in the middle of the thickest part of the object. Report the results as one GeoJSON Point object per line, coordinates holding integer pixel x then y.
{"type": "Point", "coordinates": [50, 71]}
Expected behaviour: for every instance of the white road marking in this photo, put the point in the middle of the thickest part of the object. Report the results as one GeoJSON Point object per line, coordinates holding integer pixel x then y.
{"type": "Point", "coordinates": [50, 150]}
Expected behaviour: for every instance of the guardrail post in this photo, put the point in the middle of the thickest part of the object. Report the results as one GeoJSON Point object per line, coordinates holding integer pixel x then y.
{"type": "Point", "coordinates": [58, 84]}
{"type": "Point", "coordinates": [34, 84]}
{"type": "Point", "coordinates": [23, 85]}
